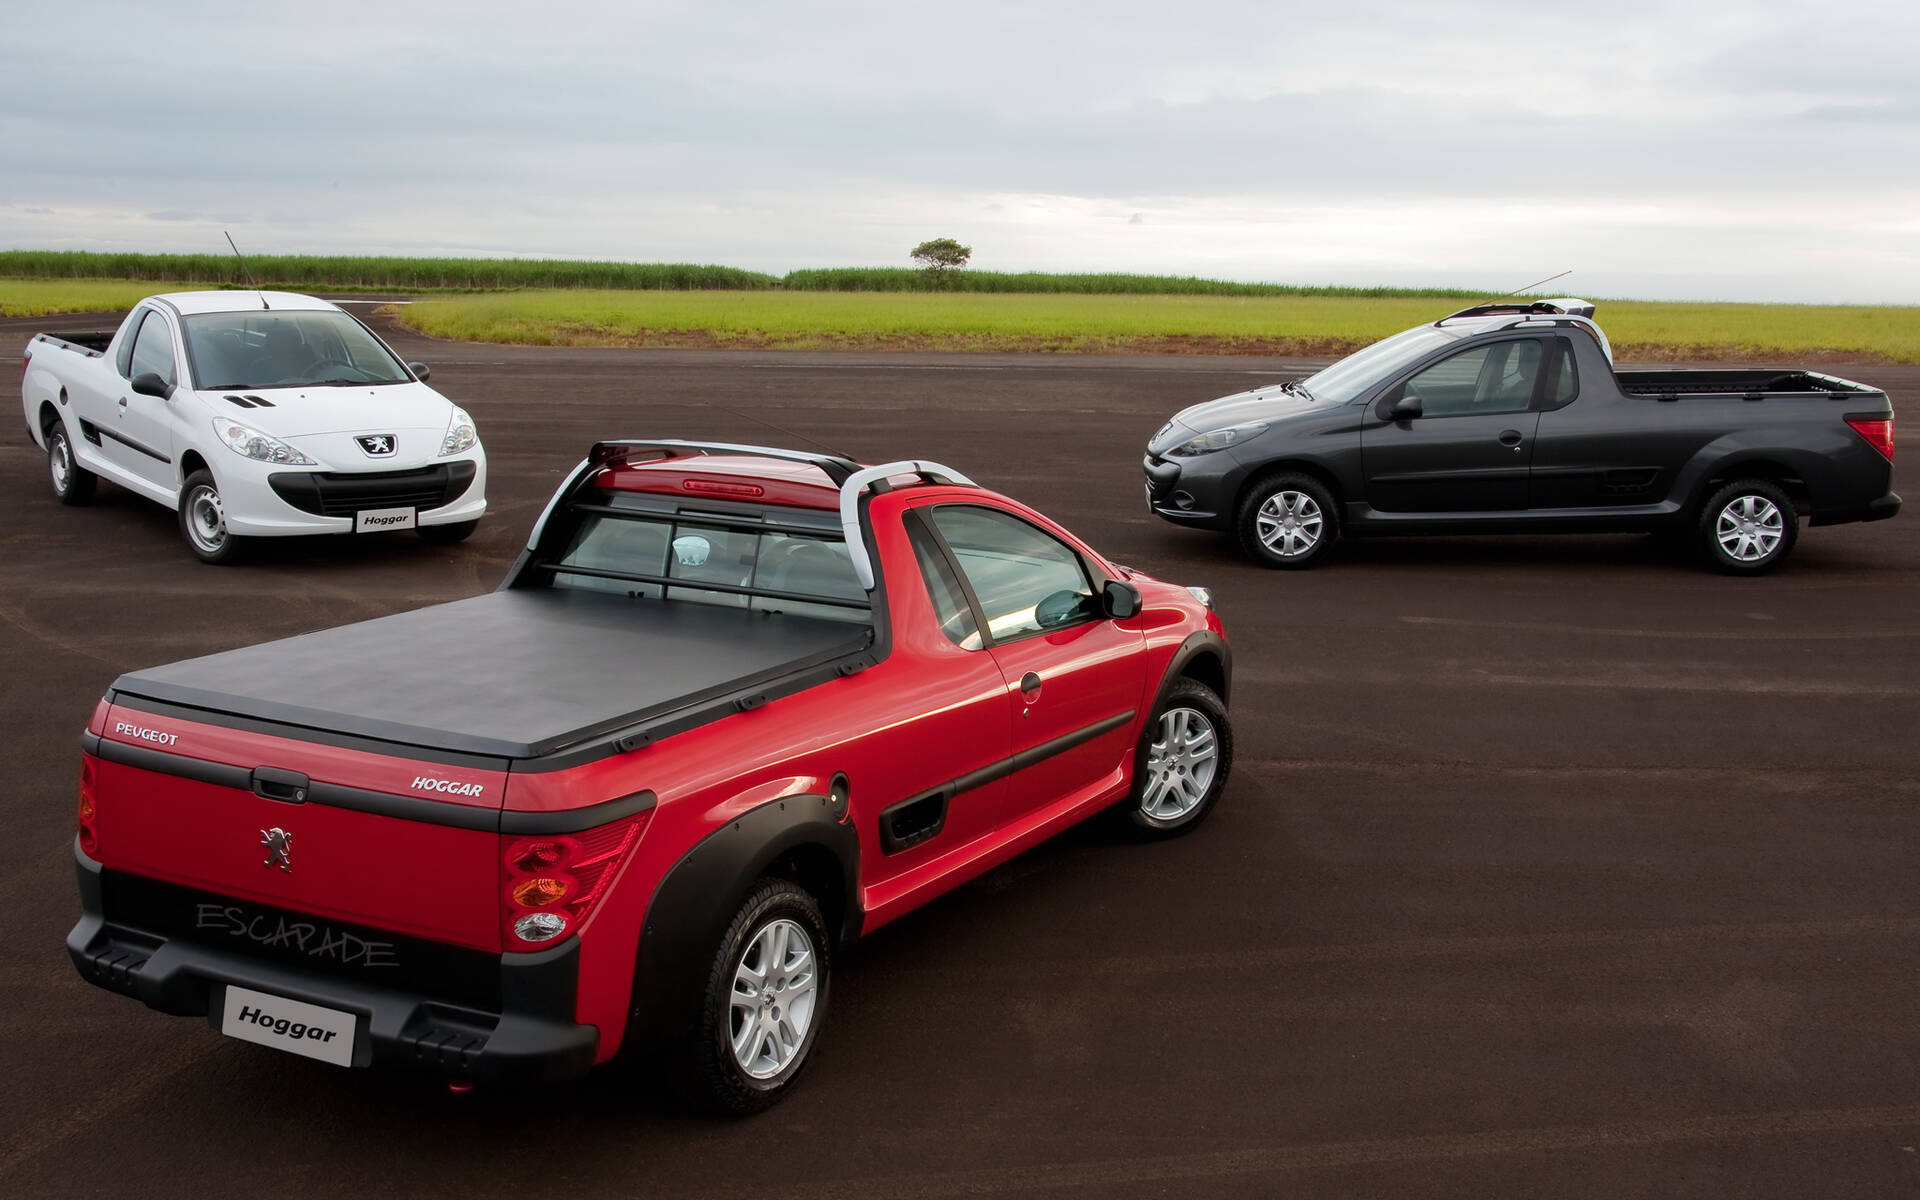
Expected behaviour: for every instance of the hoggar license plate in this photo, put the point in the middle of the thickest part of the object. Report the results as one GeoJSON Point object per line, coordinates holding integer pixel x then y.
{"type": "Point", "coordinates": [291, 1025]}
{"type": "Point", "coordinates": [376, 520]}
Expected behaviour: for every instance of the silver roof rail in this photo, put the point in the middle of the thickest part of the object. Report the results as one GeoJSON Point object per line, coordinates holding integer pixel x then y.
{"type": "Point", "coordinates": [1599, 335]}
{"type": "Point", "coordinates": [857, 484]}
{"type": "Point", "coordinates": [615, 451]}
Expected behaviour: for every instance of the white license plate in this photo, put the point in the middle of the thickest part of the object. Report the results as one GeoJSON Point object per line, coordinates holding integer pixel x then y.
{"type": "Point", "coordinates": [377, 520]}
{"type": "Point", "coordinates": [291, 1025]}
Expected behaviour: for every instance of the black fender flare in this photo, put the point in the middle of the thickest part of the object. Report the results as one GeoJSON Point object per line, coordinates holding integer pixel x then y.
{"type": "Point", "coordinates": [696, 900]}
{"type": "Point", "coordinates": [1204, 642]}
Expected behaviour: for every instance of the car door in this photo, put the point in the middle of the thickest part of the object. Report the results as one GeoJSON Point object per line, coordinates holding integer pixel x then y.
{"type": "Point", "coordinates": [1598, 448]}
{"type": "Point", "coordinates": [137, 435]}
{"type": "Point", "coordinates": [1074, 676]}
{"type": "Point", "coordinates": [1469, 447]}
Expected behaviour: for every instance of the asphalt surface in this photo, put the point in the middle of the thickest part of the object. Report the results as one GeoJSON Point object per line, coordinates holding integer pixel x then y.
{"type": "Point", "coordinates": [1549, 866]}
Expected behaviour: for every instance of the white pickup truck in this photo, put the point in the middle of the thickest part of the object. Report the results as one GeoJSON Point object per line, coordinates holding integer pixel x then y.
{"type": "Point", "coordinates": [254, 414]}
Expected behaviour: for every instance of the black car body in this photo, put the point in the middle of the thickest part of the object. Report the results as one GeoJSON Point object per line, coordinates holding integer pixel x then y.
{"type": "Point", "coordinates": [1512, 418]}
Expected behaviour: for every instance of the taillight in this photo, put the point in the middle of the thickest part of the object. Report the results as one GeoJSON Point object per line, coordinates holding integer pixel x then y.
{"type": "Point", "coordinates": [1878, 431]}
{"type": "Point", "coordinates": [89, 839]}
{"type": "Point", "coordinates": [549, 885]}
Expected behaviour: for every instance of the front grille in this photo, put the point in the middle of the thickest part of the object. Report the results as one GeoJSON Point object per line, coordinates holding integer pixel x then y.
{"type": "Point", "coordinates": [451, 974]}
{"type": "Point", "coordinates": [338, 494]}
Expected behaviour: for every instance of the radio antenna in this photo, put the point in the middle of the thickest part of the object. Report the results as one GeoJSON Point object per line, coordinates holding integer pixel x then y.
{"type": "Point", "coordinates": [1517, 291]}
{"type": "Point", "coordinates": [248, 273]}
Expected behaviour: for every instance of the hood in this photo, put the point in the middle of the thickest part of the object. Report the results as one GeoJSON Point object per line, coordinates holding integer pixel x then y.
{"type": "Point", "coordinates": [293, 413]}
{"type": "Point", "coordinates": [1271, 403]}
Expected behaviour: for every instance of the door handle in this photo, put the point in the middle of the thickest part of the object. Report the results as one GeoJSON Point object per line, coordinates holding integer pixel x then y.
{"type": "Point", "coordinates": [272, 783]}
{"type": "Point", "coordinates": [123, 402]}
{"type": "Point", "coordinates": [1029, 687]}
{"type": "Point", "coordinates": [1511, 439]}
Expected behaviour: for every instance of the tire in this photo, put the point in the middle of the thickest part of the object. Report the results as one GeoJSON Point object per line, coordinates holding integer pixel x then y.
{"type": "Point", "coordinates": [448, 535]}
{"type": "Point", "coordinates": [1747, 527]}
{"type": "Point", "coordinates": [1182, 763]}
{"type": "Point", "coordinates": [1287, 521]}
{"type": "Point", "coordinates": [72, 483]}
{"type": "Point", "coordinates": [754, 1036]}
{"type": "Point", "coordinates": [203, 522]}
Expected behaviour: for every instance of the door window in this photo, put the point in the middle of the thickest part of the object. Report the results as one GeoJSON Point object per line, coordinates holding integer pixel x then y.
{"type": "Point", "coordinates": [1566, 381]}
{"type": "Point", "coordinates": [1026, 581]}
{"type": "Point", "coordinates": [950, 605]}
{"type": "Point", "coordinates": [153, 348]}
{"type": "Point", "coordinates": [1495, 378]}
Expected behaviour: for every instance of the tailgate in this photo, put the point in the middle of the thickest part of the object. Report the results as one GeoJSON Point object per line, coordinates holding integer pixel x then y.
{"type": "Point", "coordinates": [399, 844]}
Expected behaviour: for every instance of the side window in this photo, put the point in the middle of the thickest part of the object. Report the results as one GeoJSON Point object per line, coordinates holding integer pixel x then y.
{"type": "Point", "coordinates": [1566, 384]}
{"type": "Point", "coordinates": [636, 546]}
{"type": "Point", "coordinates": [153, 348]}
{"type": "Point", "coordinates": [1495, 378]}
{"type": "Point", "coordinates": [950, 605]}
{"type": "Point", "coordinates": [1026, 580]}
{"type": "Point", "coordinates": [123, 357]}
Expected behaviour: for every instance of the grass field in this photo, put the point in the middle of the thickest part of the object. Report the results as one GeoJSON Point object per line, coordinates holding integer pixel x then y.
{"type": "Point", "coordinates": [1315, 325]}
{"type": "Point", "coordinates": [41, 297]}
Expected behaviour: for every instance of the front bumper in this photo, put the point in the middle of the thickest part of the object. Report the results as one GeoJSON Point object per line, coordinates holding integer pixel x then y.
{"type": "Point", "coordinates": [1190, 491]}
{"type": "Point", "coordinates": [531, 1037]}
{"type": "Point", "coordinates": [270, 500]}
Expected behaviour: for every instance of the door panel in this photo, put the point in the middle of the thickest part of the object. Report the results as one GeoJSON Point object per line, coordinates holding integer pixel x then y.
{"type": "Point", "coordinates": [136, 435]}
{"type": "Point", "coordinates": [1470, 448]}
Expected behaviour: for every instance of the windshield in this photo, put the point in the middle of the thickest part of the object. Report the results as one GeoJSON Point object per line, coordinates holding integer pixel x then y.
{"type": "Point", "coordinates": [267, 349]}
{"type": "Point", "coordinates": [1354, 374]}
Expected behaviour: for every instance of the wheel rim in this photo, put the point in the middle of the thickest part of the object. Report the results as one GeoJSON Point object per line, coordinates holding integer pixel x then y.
{"type": "Point", "coordinates": [206, 520]}
{"type": "Point", "coordinates": [1289, 523]}
{"type": "Point", "coordinates": [1749, 528]}
{"type": "Point", "coordinates": [1181, 764]}
{"type": "Point", "coordinates": [60, 462]}
{"type": "Point", "coordinates": [775, 992]}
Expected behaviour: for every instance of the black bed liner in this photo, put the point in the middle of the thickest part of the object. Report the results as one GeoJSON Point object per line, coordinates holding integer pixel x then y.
{"type": "Point", "coordinates": [532, 674]}
{"type": "Point", "coordinates": [1748, 381]}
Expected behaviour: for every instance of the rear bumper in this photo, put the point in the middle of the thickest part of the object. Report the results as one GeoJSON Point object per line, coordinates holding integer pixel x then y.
{"type": "Point", "coordinates": [1878, 509]}
{"type": "Point", "coordinates": [532, 1037]}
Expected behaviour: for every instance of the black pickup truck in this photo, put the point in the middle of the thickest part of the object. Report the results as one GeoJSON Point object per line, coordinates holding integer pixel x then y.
{"type": "Point", "coordinates": [1512, 418]}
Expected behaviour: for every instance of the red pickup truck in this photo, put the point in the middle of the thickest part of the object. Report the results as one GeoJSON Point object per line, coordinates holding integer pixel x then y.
{"type": "Point", "coordinates": [732, 708]}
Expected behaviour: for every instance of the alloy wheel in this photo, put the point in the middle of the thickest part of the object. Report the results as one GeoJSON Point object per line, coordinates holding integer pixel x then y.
{"type": "Point", "coordinates": [1749, 528]}
{"type": "Point", "coordinates": [774, 996]}
{"type": "Point", "coordinates": [1289, 523]}
{"type": "Point", "coordinates": [1181, 763]}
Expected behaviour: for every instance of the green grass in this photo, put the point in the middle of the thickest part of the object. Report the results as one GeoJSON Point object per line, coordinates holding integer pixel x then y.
{"type": "Point", "coordinates": [42, 297]}
{"type": "Point", "coordinates": [1300, 324]}
{"type": "Point", "coordinates": [308, 272]}
{"type": "Point", "coordinates": [902, 279]}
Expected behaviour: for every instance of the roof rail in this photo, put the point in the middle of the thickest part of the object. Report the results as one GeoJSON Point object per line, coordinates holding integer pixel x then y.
{"type": "Point", "coordinates": [1565, 306]}
{"type": "Point", "coordinates": [613, 453]}
{"type": "Point", "coordinates": [876, 478]}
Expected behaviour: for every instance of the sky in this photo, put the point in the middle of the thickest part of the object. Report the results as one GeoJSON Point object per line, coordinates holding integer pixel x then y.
{"type": "Point", "coordinates": [1757, 151]}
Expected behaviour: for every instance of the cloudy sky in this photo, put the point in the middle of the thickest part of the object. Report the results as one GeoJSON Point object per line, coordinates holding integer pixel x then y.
{"type": "Point", "coordinates": [1762, 150]}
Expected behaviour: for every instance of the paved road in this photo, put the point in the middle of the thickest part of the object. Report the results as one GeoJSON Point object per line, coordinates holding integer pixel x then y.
{"type": "Point", "coordinates": [1550, 867]}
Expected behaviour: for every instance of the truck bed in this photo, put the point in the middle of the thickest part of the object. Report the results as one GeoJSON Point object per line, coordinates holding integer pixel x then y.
{"type": "Point", "coordinates": [520, 674]}
{"type": "Point", "coordinates": [1668, 383]}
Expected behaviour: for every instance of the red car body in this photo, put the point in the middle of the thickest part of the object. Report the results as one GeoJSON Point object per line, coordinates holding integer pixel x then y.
{"type": "Point", "coordinates": [406, 860]}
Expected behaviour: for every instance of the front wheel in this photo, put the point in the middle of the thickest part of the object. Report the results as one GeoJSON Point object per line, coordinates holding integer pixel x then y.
{"type": "Point", "coordinates": [72, 483]}
{"type": "Point", "coordinates": [766, 998]}
{"type": "Point", "coordinates": [203, 522]}
{"type": "Point", "coordinates": [1181, 765]}
{"type": "Point", "coordinates": [1287, 521]}
{"type": "Point", "coordinates": [1748, 526]}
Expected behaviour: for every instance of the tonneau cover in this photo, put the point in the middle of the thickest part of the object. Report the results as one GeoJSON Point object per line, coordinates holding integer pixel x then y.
{"type": "Point", "coordinates": [513, 674]}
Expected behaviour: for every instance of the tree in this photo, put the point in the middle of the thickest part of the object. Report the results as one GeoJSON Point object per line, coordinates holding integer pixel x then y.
{"type": "Point", "coordinates": [940, 256]}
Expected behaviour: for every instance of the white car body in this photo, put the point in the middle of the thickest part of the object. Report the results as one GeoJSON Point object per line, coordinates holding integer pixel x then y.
{"type": "Point", "coordinates": [350, 433]}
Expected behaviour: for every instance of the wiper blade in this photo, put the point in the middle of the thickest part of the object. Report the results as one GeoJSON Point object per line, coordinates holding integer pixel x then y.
{"type": "Point", "coordinates": [1293, 385]}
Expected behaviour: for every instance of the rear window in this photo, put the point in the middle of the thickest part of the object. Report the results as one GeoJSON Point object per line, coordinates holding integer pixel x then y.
{"type": "Point", "coordinates": [684, 559]}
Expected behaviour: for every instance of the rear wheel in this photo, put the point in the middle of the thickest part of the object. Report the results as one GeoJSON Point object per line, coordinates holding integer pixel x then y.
{"type": "Point", "coordinates": [203, 522]}
{"type": "Point", "coordinates": [766, 998]}
{"type": "Point", "coordinates": [1287, 521]}
{"type": "Point", "coordinates": [1748, 526]}
{"type": "Point", "coordinates": [72, 483]}
{"type": "Point", "coordinates": [1181, 765]}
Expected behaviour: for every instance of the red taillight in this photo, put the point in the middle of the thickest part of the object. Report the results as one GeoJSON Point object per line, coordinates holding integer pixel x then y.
{"type": "Point", "coordinates": [89, 839]}
{"type": "Point", "coordinates": [1878, 431]}
{"type": "Point", "coordinates": [551, 884]}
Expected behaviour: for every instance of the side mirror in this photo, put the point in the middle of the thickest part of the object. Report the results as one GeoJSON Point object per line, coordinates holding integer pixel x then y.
{"type": "Point", "coordinates": [1407, 407]}
{"type": "Point", "coordinates": [421, 371]}
{"type": "Point", "coordinates": [1121, 600]}
{"type": "Point", "coordinates": [148, 384]}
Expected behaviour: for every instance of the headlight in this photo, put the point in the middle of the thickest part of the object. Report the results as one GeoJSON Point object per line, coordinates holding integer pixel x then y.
{"type": "Point", "coordinates": [460, 434]}
{"type": "Point", "coordinates": [1203, 595]}
{"type": "Point", "coordinates": [258, 446]}
{"type": "Point", "coordinates": [1219, 439]}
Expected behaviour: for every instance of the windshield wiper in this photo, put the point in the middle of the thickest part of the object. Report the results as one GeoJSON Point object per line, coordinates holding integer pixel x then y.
{"type": "Point", "coordinates": [1293, 385]}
